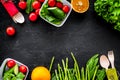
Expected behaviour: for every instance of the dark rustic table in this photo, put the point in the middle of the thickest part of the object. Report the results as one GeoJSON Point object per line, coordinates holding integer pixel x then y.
{"type": "Point", "coordinates": [36, 42]}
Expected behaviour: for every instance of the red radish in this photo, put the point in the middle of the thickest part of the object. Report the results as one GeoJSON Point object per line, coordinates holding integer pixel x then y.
{"type": "Point", "coordinates": [41, 1]}
{"type": "Point", "coordinates": [32, 16]}
{"type": "Point", "coordinates": [59, 4]}
{"type": "Point", "coordinates": [37, 11]}
{"type": "Point", "coordinates": [22, 5]}
{"type": "Point", "coordinates": [65, 8]}
{"type": "Point", "coordinates": [36, 5]}
{"type": "Point", "coordinates": [10, 31]}
{"type": "Point", "coordinates": [11, 63]}
{"type": "Point", "coordinates": [51, 3]}
{"type": "Point", "coordinates": [23, 69]}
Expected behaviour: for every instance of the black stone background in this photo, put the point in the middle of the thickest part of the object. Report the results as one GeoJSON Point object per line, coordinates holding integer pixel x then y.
{"type": "Point", "coordinates": [36, 42]}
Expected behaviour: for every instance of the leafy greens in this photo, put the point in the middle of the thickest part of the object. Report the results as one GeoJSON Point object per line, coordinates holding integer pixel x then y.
{"type": "Point", "coordinates": [92, 70]}
{"type": "Point", "coordinates": [109, 10]}
{"type": "Point", "coordinates": [53, 15]}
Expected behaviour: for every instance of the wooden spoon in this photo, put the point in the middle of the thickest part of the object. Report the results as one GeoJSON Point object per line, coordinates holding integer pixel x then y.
{"type": "Point", "coordinates": [104, 62]}
{"type": "Point", "coordinates": [80, 6]}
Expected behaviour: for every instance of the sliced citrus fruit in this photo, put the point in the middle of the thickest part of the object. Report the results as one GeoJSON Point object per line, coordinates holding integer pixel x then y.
{"type": "Point", "coordinates": [16, 69]}
{"type": "Point", "coordinates": [80, 6]}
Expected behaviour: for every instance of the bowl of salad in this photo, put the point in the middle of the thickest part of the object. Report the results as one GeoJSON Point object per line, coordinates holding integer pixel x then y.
{"type": "Point", "coordinates": [13, 70]}
{"type": "Point", "coordinates": [55, 12]}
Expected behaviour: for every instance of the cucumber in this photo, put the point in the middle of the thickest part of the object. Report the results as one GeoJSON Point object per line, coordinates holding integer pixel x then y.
{"type": "Point", "coordinates": [16, 69]}
{"type": "Point", "coordinates": [58, 13]}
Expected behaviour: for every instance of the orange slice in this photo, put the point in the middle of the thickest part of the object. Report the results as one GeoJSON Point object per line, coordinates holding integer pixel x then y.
{"type": "Point", "coordinates": [80, 6]}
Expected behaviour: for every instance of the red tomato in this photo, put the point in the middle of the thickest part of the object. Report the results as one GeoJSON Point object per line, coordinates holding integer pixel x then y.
{"type": "Point", "coordinates": [36, 5]}
{"type": "Point", "coordinates": [11, 63]}
{"type": "Point", "coordinates": [10, 31]}
{"type": "Point", "coordinates": [23, 69]}
{"type": "Point", "coordinates": [51, 3]}
{"type": "Point", "coordinates": [41, 0]}
{"type": "Point", "coordinates": [65, 8]}
{"type": "Point", "coordinates": [22, 5]}
{"type": "Point", "coordinates": [33, 16]}
{"type": "Point", "coordinates": [59, 4]}
{"type": "Point", "coordinates": [37, 11]}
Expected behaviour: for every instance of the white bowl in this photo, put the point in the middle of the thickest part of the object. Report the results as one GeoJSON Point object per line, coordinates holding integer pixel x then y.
{"type": "Point", "coordinates": [64, 3]}
{"type": "Point", "coordinates": [17, 62]}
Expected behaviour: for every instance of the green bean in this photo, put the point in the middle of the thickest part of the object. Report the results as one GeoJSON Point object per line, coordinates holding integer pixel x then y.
{"type": "Point", "coordinates": [66, 63]}
{"type": "Point", "coordinates": [95, 72]}
{"type": "Point", "coordinates": [56, 74]}
{"type": "Point", "coordinates": [62, 72]}
{"type": "Point", "coordinates": [82, 74]}
{"type": "Point", "coordinates": [29, 7]}
{"type": "Point", "coordinates": [86, 74]}
{"type": "Point", "coordinates": [64, 67]}
{"type": "Point", "coordinates": [77, 67]}
{"type": "Point", "coordinates": [59, 71]}
{"type": "Point", "coordinates": [51, 64]}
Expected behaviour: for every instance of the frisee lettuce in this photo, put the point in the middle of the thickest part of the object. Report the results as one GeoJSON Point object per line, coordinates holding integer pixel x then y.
{"type": "Point", "coordinates": [109, 10]}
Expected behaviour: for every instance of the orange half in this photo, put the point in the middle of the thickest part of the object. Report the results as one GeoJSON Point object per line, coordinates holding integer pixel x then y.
{"type": "Point", "coordinates": [80, 6]}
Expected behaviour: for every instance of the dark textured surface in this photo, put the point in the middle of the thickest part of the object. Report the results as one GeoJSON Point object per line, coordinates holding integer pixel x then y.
{"type": "Point", "coordinates": [36, 42]}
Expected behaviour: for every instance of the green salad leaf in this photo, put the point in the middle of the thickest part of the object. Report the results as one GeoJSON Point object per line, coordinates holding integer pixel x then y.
{"type": "Point", "coordinates": [13, 74]}
{"type": "Point", "coordinates": [52, 14]}
{"type": "Point", "coordinates": [109, 10]}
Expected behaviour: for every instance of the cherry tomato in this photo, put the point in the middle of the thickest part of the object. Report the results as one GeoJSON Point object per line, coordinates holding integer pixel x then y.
{"type": "Point", "coordinates": [59, 4]}
{"type": "Point", "coordinates": [51, 3]}
{"type": "Point", "coordinates": [22, 5]}
{"type": "Point", "coordinates": [36, 5]}
{"type": "Point", "coordinates": [23, 69]}
{"type": "Point", "coordinates": [41, 1]}
{"type": "Point", "coordinates": [65, 8]}
{"type": "Point", "coordinates": [11, 63]}
{"type": "Point", "coordinates": [10, 31]}
{"type": "Point", "coordinates": [33, 16]}
{"type": "Point", "coordinates": [37, 11]}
